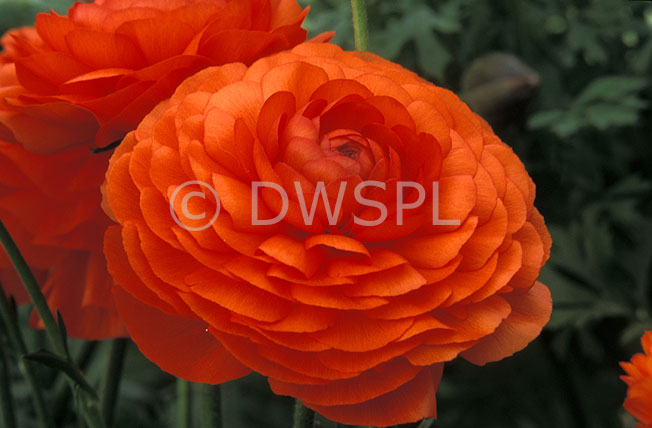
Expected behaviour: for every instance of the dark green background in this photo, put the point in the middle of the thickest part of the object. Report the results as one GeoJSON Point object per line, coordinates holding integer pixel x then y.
{"type": "Point", "coordinates": [585, 138]}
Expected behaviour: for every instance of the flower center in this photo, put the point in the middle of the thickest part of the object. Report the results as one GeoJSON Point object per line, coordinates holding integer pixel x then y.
{"type": "Point", "coordinates": [350, 150]}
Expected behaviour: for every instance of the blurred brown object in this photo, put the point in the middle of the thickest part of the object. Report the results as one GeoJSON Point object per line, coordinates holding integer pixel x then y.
{"type": "Point", "coordinates": [498, 86]}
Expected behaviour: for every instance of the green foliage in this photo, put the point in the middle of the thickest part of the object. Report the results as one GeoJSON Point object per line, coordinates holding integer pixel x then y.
{"type": "Point", "coordinates": [396, 27]}
{"type": "Point", "coordinates": [606, 103]}
{"type": "Point", "coordinates": [586, 141]}
{"type": "Point", "coordinates": [63, 365]}
{"type": "Point", "coordinates": [16, 13]}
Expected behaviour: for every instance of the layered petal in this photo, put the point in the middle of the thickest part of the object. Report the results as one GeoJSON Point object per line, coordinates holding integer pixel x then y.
{"type": "Point", "coordinates": [81, 82]}
{"type": "Point", "coordinates": [639, 382]}
{"type": "Point", "coordinates": [371, 229]}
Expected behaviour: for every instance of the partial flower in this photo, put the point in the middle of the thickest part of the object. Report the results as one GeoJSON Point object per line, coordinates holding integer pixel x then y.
{"type": "Point", "coordinates": [94, 74]}
{"type": "Point", "coordinates": [639, 380]}
{"type": "Point", "coordinates": [55, 217]}
{"type": "Point", "coordinates": [354, 319]}
{"type": "Point", "coordinates": [77, 82]}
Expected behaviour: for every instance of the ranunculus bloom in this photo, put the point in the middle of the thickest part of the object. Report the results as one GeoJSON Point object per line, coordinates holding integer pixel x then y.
{"type": "Point", "coordinates": [98, 71]}
{"type": "Point", "coordinates": [354, 320]}
{"type": "Point", "coordinates": [90, 77]}
{"type": "Point", "coordinates": [55, 217]}
{"type": "Point", "coordinates": [639, 380]}
{"type": "Point", "coordinates": [51, 206]}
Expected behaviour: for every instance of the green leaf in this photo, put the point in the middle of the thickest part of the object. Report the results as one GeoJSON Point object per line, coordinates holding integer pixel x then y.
{"type": "Point", "coordinates": [445, 20]}
{"type": "Point", "coordinates": [64, 331]}
{"type": "Point", "coordinates": [633, 332]}
{"type": "Point", "coordinates": [545, 119]}
{"type": "Point", "coordinates": [432, 56]}
{"type": "Point", "coordinates": [585, 40]}
{"type": "Point", "coordinates": [607, 102]}
{"type": "Point", "coordinates": [59, 6]}
{"type": "Point", "coordinates": [421, 25]}
{"type": "Point", "coordinates": [611, 88]}
{"type": "Point", "coordinates": [16, 13]}
{"type": "Point", "coordinates": [641, 61]}
{"type": "Point", "coordinates": [390, 42]}
{"type": "Point", "coordinates": [604, 116]}
{"type": "Point", "coordinates": [66, 366]}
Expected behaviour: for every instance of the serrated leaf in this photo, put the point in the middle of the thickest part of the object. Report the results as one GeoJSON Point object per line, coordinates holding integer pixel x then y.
{"type": "Point", "coordinates": [633, 102]}
{"type": "Point", "coordinates": [420, 24]}
{"type": "Point", "coordinates": [568, 125]}
{"type": "Point", "coordinates": [445, 20]}
{"type": "Point", "coordinates": [545, 119]}
{"type": "Point", "coordinates": [610, 88]}
{"type": "Point", "coordinates": [604, 116]}
{"type": "Point", "coordinates": [605, 103]}
{"type": "Point", "coordinates": [584, 39]}
{"type": "Point", "coordinates": [390, 42]}
{"type": "Point", "coordinates": [432, 56]}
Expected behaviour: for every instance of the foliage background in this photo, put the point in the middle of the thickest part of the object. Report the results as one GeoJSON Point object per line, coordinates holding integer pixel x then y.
{"type": "Point", "coordinates": [585, 139]}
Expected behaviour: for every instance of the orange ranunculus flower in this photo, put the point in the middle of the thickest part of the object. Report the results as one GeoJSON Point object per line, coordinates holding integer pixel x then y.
{"type": "Point", "coordinates": [639, 380]}
{"type": "Point", "coordinates": [52, 206]}
{"type": "Point", "coordinates": [90, 77]}
{"type": "Point", "coordinates": [98, 71]}
{"type": "Point", "coordinates": [356, 320]}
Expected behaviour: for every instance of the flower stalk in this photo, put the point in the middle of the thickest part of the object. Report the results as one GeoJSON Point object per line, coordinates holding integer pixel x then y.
{"type": "Point", "coordinates": [184, 400]}
{"type": "Point", "coordinates": [15, 337]}
{"type": "Point", "coordinates": [7, 417]}
{"type": "Point", "coordinates": [56, 333]}
{"type": "Point", "coordinates": [360, 25]}
{"type": "Point", "coordinates": [426, 423]}
{"type": "Point", "coordinates": [62, 393]}
{"type": "Point", "coordinates": [210, 406]}
{"type": "Point", "coordinates": [112, 378]}
{"type": "Point", "coordinates": [52, 329]}
{"type": "Point", "coordinates": [303, 416]}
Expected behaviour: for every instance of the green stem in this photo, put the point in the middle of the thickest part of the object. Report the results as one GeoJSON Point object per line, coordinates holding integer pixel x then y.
{"type": "Point", "coordinates": [112, 379]}
{"type": "Point", "coordinates": [31, 285]}
{"type": "Point", "coordinates": [7, 416]}
{"type": "Point", "coordinates": [303, 416]}
{"type": "Point", "coordinates": [426, 423]}
{"type": "Point", "coordinates": [210, 406]}
{"type": "Point", "coordinates": [87, 405]}
{"type": "Point", "coordinates": [18, 343]}
{"type": "Point", "coordinates": [62, 392]}
{"type": "Point", "coordinates": [360, 28]}
{"type": "Point", "coordinates": [54, 380]}
{"type": "Point", "coordinates": [184, 402]}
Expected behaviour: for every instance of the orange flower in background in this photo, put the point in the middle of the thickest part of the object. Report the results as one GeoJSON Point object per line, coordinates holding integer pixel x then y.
{"type": "Point", "coordinates": [639, 380]}
{"type": "Point", "coordinates": [94, 74]}
{"type": "Point", "coordinates": [55, 217]}
{"type": "Point", "coordinates": [355, 320]}
{"type": "Point", "coordinates": [86, 79]}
